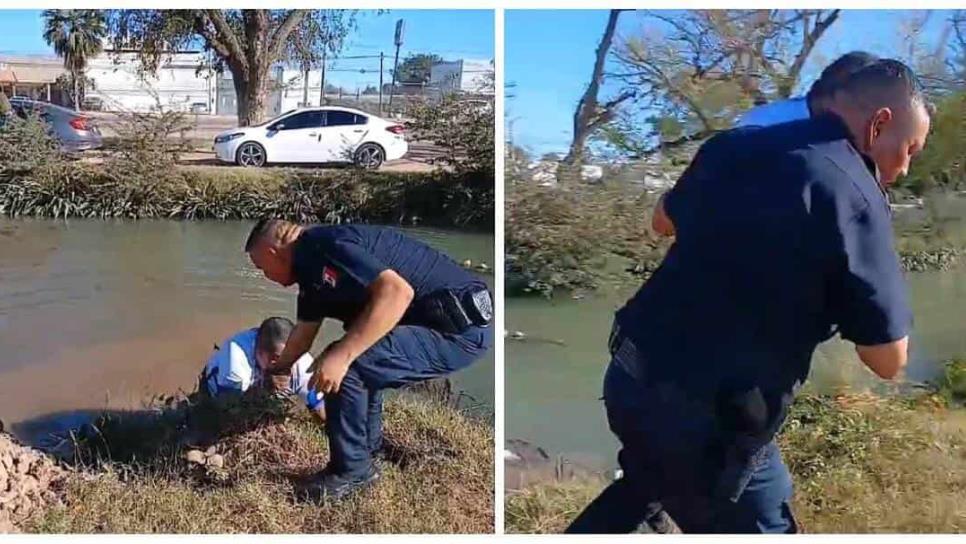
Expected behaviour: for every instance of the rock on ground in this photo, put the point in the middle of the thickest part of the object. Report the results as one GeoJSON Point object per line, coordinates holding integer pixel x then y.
{"type": "Point", "coordinates": [29, 480]}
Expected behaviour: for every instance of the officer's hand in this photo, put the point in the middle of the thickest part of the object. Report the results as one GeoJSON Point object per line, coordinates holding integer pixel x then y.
{"type": "Point", "coordinates": [328, 369]}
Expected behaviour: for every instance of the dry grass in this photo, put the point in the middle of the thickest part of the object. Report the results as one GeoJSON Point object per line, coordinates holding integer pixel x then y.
{"type": "Point", "coordinates": [439, 479]}
{"type": "Point", "coordinates": [546, 508]}
{"type": "Point", "coordinates": [861, 464]}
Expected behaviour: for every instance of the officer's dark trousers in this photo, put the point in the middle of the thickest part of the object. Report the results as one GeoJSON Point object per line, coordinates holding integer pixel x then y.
{"type": "Point", "coordinates": [680, 483]}
{"type": "Point", "coordinates": [406, 355]}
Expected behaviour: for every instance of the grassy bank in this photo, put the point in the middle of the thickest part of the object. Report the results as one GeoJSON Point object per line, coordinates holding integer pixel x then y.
{"type": "Point", "coordinates": [861, 463]}
{"type": "Point", "coordinates": [143, 179]}
{"type": "Point", "coordinates": [582, 237]}
{"type": "Point", "coordinates": [132, 476]}
{"type": "Point", "coordinates": [100, 191]}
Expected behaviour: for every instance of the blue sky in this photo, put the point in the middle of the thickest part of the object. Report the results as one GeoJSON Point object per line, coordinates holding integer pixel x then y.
{"type": "Point", "coordinates": [452, 34]}
{"type": "Point", "coordinates": [549, 56]}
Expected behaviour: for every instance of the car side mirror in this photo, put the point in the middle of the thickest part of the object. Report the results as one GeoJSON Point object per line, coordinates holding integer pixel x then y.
{"type": "Point", "coordinates": [277, 126]}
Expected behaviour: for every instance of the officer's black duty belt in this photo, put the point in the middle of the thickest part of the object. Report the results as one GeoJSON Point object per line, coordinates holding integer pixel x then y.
{"type": "Point", "coordinates": [452, 311]}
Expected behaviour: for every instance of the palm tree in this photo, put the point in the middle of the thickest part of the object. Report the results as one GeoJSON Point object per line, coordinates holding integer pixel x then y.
{"type": "Point", "coordinates": [76, 35]}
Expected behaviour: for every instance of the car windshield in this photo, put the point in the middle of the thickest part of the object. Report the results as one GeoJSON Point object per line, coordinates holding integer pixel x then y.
{"type": "Point", "coordinates": [272, 120]}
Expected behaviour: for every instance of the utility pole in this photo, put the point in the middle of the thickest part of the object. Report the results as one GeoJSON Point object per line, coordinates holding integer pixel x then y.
{"type": "Point", "coordinates": [322, 91]}
{"type": "Point", "coordinates": [382, 56]}
{"type": "Point", "coordinates": [400, 29]}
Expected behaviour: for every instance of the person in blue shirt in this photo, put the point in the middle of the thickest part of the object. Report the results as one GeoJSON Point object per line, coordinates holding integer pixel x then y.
{"type": "Point", "coordinates": [410, 314]}
{"type": "Point", "coordinates": [783, 238]}
{"type": "Point", "coordinates": [240, 363]}
{"type": "Point", "coordinates": [814, 102]}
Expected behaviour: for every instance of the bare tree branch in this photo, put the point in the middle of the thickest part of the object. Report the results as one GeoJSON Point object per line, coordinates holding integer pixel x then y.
{"type": "Point", "coordinates": [587, 106]}
{"type": "Point", "coordinates": [292, 20]}
{"type": "Point", "coordinates": [810, 39]}
{"type": "Point", "coordinates": [224, 34]}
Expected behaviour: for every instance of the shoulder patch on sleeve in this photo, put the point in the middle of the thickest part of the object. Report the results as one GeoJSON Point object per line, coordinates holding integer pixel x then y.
{"type": "Point", "coordinates": [330, 276]}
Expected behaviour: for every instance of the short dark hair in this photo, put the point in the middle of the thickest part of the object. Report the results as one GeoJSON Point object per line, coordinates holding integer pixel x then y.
{"type": "Point", "coordinates": [261, 228]}
{"type": "Point", "coordinates": [836, 74]}
{"type": "Point", "coordinates": [886, 81]}
{"type": "Point", "coordinates": [272, 332]}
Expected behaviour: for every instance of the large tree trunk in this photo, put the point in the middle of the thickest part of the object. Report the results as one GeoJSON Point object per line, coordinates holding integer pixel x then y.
{"type": "Point", "coordinates": [587, 108]}
{"type": "Point", "coordinates": [252, 96]}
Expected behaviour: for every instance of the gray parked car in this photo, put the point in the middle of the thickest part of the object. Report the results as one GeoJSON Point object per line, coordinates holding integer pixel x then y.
{"type": "Point", "coordinates": [74, 131]}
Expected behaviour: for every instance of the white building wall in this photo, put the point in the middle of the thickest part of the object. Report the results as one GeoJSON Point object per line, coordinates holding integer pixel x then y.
{"type": "Point", "coordinates": [477, 77]}
{"type": "Point", "coordinates": [464, 75]}
{"type": "Point", "coordinates": [177, 84]}
{"type": "Point", "coordinates": [293, 90]}
{"type": "Point", "coordinates": [445, 76]}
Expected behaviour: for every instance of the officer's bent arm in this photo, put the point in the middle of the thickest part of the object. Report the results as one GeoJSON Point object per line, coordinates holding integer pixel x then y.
{"type": "Point", "coordinates": [299, 342]}
{"type": "Point", "coordinates": [886, 360]}
{"type": "Point", "coordinates": [389, 298]}
{"type": "Point", "coordinates": [678, 201]}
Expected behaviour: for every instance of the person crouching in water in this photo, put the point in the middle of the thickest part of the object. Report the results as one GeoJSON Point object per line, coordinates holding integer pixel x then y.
{"type": "Point", "coordinates": [242, 360]}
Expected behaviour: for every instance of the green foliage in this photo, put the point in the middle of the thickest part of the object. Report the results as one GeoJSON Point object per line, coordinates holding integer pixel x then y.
{"type": "Point", "coordinates": [416, 67]}
{"type": "Point", "coordinates": [123, 189]}
{"type": "Point", "coordinates": [581, 237]}
{"type": "Point", "coordinates": [942, 163]}
{"type": "Point", "coordinates": [571, 239]}
{"type": "Point", "coordinates": [77, 36]}
{"type": "Point", "coordinates": [5, 107]}
{"type": "Point", "coordinates": [142, 179]}
{"type": "Point", "coordinates": [27, 146]}
{"type": "Point", "coordinates": [463, 129]}
{"type": "Point", "coordinates": [951, 385]}
{"type": "Point", "coordinates": [693, 72]}
{"type": "Point", "coordinates": [320, 32]}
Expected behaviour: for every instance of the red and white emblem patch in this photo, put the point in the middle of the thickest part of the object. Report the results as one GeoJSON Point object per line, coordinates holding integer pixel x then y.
{"type": "Point", "coordinates": [330, 276]}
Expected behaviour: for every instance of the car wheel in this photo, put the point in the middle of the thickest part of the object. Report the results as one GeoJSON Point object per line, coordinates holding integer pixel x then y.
{"type": "Point", "coordinates": [250, 154]}
{"type": "Point", "coordinates": [370, 156]}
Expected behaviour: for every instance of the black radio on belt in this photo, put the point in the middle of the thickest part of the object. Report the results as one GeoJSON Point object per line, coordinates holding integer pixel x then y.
{"type": "Point", "coordinates": [453, 312]}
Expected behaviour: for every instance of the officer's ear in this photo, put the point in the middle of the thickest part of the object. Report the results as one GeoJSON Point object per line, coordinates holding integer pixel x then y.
{"type": "Point", "coordinates": [881, 118]}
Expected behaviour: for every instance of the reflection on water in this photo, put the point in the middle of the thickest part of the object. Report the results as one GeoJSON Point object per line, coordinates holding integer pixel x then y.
{"type": "Point", "coordinates": [101, 314]}
{"type": "Point", "coordinates": [553, 377]}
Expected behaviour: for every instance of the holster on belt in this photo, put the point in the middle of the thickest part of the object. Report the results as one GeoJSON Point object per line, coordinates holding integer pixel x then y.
{"type": "Point", "coordinates": [452, 311]}
{"type": "Point", "coordinates": [746, 426]}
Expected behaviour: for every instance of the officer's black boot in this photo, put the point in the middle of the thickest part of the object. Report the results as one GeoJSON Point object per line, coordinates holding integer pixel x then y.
{"type": "Point", "coordinates": [329, 485]}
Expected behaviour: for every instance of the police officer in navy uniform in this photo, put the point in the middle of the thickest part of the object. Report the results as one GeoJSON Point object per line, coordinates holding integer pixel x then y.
{"type": "Point", "coordinates": [783, 237]}
{"type": "Point", "coordinates": [410, 314]}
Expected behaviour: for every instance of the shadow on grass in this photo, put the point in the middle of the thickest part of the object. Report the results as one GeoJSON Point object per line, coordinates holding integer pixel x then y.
{"type": "Point", "coordinates": [155, 440]}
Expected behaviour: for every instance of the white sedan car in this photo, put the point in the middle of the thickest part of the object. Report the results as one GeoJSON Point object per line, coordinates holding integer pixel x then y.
{"type": "Point", "coordinates": [314, 135]}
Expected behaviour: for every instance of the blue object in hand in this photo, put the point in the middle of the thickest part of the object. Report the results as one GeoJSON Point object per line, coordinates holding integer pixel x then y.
{"type": "Point", "coordinates": [313, 399]}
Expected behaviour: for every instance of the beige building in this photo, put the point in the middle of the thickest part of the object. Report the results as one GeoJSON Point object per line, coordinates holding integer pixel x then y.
{"type": "Point", "coordinates": [31, 76]}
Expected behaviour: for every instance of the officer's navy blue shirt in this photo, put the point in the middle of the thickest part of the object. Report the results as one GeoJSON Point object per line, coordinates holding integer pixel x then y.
{"type": "Point", "coordinates": [782, 234]}
{"type": "Point", "coordinates": [335, 264]}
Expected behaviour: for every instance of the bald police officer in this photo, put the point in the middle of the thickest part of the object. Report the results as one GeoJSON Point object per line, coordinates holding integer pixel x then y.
{"type": "Point", "coordinates": [410, 314]}
{"type": "Point", "coordinates": [783, 236]}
